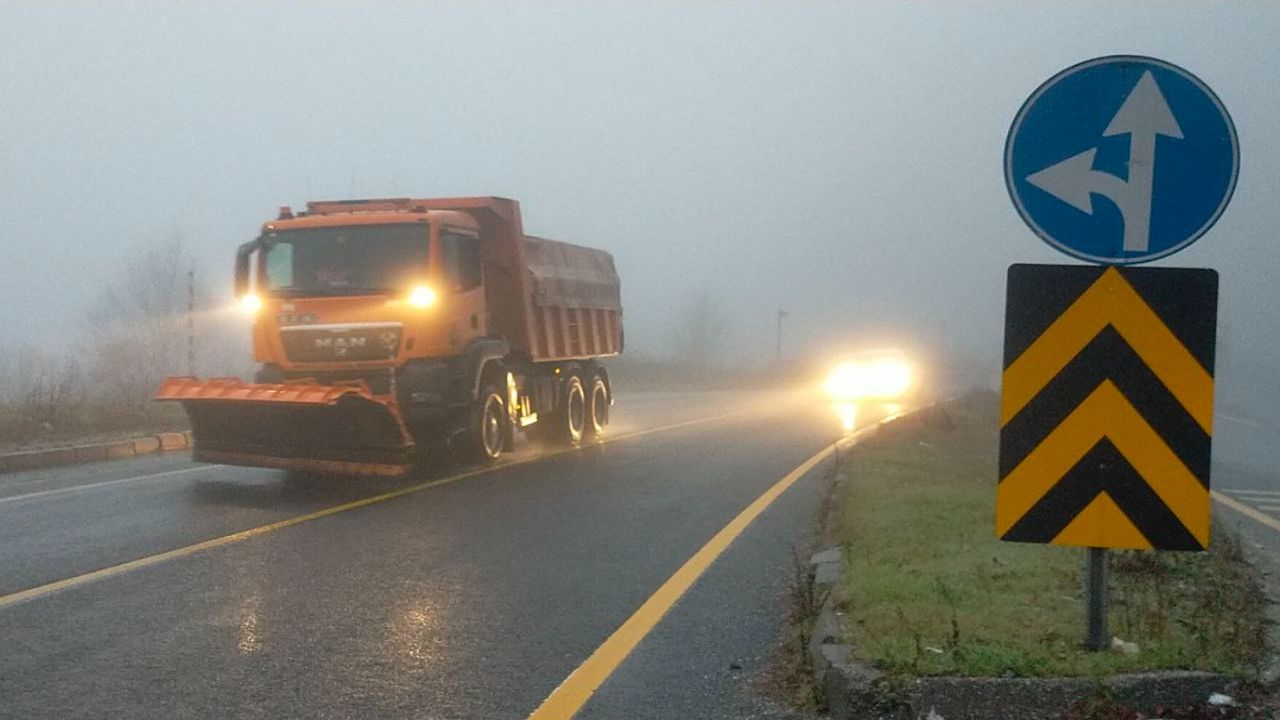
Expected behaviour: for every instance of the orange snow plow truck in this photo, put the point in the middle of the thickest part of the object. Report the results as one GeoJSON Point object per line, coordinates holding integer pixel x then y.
{"type": "Point", "coordinates": [381, 325]}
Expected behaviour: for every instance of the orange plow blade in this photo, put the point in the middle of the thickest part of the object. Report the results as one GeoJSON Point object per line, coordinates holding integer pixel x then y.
{"type": "Point", "coordinates": [342, 429]}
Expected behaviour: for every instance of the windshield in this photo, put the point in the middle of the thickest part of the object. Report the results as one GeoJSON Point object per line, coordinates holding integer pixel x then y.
{"type": "Point", "coordinates": [346, 260]}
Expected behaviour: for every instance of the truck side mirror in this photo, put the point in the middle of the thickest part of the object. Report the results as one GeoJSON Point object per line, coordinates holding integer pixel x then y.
{"type": "Point", "coordinates": [243, 254]}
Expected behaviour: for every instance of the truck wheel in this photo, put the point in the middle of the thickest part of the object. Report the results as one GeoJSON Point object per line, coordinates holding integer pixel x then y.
{"type": "Point", "coordinates": [486, 426]}
{"type": "Point", "coordinates": [597, 407]}
{"type": "Point", "coordinates": [572, 416]}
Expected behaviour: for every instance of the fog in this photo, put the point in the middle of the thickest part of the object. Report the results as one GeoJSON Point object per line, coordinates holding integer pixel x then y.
{"type": "Point", "coordinates": [839, 161]}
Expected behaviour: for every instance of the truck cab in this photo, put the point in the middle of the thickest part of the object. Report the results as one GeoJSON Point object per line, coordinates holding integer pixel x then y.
{"type": "Point", "coordinates": [355, 293]}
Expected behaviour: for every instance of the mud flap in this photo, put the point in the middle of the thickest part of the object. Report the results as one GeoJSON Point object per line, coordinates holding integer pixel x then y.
{"type": "Point", "coordinates": [341, 429]}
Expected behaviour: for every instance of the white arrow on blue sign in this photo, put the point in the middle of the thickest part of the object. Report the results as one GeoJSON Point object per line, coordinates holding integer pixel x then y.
{"type": "Point", "coordinates": [1147, 138]}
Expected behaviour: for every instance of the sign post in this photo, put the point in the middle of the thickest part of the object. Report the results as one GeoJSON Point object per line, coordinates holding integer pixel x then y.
{"type": "Point", "coordinates": [1107, 394]}
{"type": "Point", "coordinates": [1097, 599]}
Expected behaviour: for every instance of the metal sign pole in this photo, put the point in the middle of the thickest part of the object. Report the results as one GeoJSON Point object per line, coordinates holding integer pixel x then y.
{"type": "Point", "coordinates": [1096, 585]}
{"type": "Point", "coordinates": [1096, 599]}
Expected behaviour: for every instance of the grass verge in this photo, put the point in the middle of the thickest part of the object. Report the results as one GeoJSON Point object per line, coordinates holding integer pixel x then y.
{"type": "Point", "coordinates": [18, 433]}
{"type": "Point", "coordinates": [931, 591]}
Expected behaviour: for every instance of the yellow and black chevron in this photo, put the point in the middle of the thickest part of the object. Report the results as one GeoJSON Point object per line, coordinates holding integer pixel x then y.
{"type": "Point", "coordinates": [1106, 417]}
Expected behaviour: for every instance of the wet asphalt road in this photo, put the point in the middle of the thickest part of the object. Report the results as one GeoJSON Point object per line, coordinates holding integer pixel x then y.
{"type": "Point", "coordinates": [1246, 474]}
{"type": "Point", "coordinates": [470, 599]}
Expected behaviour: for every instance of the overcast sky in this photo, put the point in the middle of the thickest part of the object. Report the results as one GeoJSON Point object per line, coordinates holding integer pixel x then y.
{"type": "Point", "coordinates": [842, 161]}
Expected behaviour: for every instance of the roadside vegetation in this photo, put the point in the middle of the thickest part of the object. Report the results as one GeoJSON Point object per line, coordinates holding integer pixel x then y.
{"type": "Point", "coordinates": [99, 383]}
{"type": "Point", "coordinates": [48, 399]}
{"type": "Point", "coordinates": [792, 675]}
{"type": "Point", "coordinates": [931, 591]}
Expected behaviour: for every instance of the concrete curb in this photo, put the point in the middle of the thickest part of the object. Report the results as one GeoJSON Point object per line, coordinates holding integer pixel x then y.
{"type": "Point", "coordinates": [857, 691]}
{"type": "Point", "coordinates": [114, 450]}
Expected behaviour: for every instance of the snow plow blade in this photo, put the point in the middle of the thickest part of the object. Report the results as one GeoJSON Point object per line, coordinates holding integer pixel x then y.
{"type": "Point", "coordinates": [341, 429]}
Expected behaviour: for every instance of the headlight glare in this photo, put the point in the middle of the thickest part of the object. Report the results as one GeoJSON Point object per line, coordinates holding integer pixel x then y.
{"type": "Point", "coordinates": [422, 296]}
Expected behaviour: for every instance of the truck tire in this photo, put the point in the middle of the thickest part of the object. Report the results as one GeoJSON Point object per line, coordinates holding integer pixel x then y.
{"type": "Point", "coordinates": [571, 417]}
{"type": "Point", "coordinates": [597, 407]}
{"type": "Point", "coordinates": [486, 432]}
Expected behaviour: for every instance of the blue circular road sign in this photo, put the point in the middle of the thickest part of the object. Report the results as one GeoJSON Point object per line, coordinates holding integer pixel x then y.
{"type": "Point", "coordinates": [1121, 159]}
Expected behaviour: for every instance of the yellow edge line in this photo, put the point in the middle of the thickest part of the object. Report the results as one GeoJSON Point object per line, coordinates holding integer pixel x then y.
{"type": "Point", "coordinates": [567, 699]}
{"type": "Point", "coordinates": [149, 560]}
{"type": "Point", "coordinates": [1246, 510]}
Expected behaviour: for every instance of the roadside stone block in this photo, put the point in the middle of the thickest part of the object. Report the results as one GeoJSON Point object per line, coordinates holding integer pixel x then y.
{"type": "Point", "coordinates": [826, 574]}
{"type": "Point", "coordinates": [827, 566]}
{"type": "Point", "coordinates": [830, 555]}
{"type": "Point", "coordinates": [58, 456]}
{"type": "Point", "coordinates": [91, 453]}
{"type": "Point", "coordinates": [172, 440]}
{"type": "Point", "coordinates": [122, 449]}
{"type": "Point", "coordinates": [9, 464]}
{"type": "Point", "coordinates": [854, 692]}
{"type": "Point", "coordinates": [986, 698]}
{"type": "Point", "coordinates": [1173, 688]}
{"type": "Point", "coordinates": [21, 461]}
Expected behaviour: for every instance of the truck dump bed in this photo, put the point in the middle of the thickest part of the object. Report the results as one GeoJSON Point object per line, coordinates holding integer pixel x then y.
{"type": "Point", "coordinates": [576, 300]}
{"type": "Point", "coordinates": [549, 299]}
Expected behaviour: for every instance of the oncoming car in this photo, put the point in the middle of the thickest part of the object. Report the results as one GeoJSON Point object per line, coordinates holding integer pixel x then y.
{"type": "Point", "coordinates": [880, 381]}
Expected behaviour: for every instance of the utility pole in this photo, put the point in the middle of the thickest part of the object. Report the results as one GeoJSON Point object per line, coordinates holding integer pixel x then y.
{"type": "Point", "coordinates": [781, 314]}
{"type": "Point", "coordinates": [191, 322]}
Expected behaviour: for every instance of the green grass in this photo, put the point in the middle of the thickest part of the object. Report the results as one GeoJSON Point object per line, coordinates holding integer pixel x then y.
{"type": "Point", "coordinates": [931, 591]}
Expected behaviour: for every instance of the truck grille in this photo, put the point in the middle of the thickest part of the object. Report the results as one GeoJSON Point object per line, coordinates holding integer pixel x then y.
{"type": "Point", "coordinates": [379, 381]}
{"type": "Point", "coordinates": [338, 343]}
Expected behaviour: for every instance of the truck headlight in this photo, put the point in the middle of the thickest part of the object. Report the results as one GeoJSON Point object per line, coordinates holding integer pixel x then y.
{"type": "Point", "coordinates": [250, 303]}
{"type": "Point", "coordinates": [422, 296]}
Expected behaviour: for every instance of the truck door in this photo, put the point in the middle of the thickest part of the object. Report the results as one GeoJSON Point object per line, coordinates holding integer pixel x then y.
{"type": "Point", "coordinates": [464, 286]}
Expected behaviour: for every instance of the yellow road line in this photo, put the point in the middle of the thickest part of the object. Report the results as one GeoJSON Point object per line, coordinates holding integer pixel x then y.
{"type": "Point", "coordinates": [1246, 510]}
{"type": "Point", "coordinates": [106, 483]}
{"type": "Point", "coordinates": [149, 560]}
{"type": "Point", "coordinates": [565, 701]}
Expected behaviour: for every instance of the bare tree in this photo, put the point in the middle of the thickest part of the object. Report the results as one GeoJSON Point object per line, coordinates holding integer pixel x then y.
{"type": "Point", "coordinates": [40, 392]}
{"type": "Point", "coordinates": [699, 332]}
{"type": "Point", "coordinates": [138, 330]}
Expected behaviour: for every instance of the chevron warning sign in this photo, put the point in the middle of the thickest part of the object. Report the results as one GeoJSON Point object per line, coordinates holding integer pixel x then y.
{"type": "Point", "coordinates": [1106, 408]}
